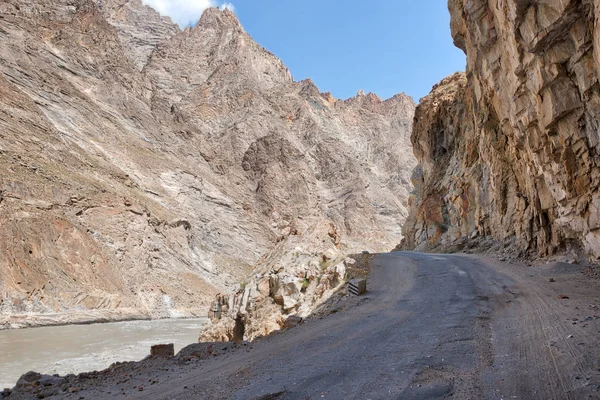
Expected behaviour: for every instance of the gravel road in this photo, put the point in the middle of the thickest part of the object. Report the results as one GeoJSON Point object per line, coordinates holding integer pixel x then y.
{"type": "Point", "coordinates": [430, 327]}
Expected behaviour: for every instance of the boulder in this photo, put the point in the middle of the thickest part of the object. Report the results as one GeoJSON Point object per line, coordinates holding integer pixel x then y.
{"type": "Point", "coordinates": [162, 350]}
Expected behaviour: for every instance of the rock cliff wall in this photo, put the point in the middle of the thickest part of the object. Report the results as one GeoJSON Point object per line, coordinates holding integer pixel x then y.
{"type": "Point", "coordinates": [145, 168]}
{"type": "Point", "coordinates": [511, 150]}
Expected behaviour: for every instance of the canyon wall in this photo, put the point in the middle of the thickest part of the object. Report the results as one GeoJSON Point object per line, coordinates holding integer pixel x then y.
{"type": "Point", "coordinates": [146, 169]}
{"type": "Point", "coordinates": [510, 151]}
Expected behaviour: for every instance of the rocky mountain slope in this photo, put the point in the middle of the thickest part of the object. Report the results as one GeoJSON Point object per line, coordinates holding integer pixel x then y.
{"type": "Point", "coordinates": [511, 150]}
{"type": "Point", "coordinates": [146, 169]}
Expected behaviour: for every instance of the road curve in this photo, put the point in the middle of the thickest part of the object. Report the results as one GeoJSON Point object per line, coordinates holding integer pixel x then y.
{"type": "Point", "coordinates": [431, 327]}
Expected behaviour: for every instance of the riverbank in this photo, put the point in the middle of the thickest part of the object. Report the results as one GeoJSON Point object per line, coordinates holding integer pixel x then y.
{"type": "Point", "coordinates": [72, 349]}
{"type": "Point", "coordinates": [86, 317]}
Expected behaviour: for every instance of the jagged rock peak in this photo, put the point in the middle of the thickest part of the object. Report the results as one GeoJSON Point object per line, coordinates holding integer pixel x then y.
{"type": "Point", "coordinates": [217, 18]}
{"type": "Point", "coordinates": [308, 83]}
{"type": "Point", "coordinates": [373, 100]}
{"type": "Point", "coordinates": [329, 97]}
{"type": "Point", "coordinates": [444, 82]}
{"type": "Point", "coordinates": [123, 8]}
{"type": "Point", "coordinates": [140, 28]}
{"type": "Point", "coordinates": [309, 87]}
{"type": "Point", "coordinates": [400, 98]}
{"type": "Point", "coordinates": [372, 97]}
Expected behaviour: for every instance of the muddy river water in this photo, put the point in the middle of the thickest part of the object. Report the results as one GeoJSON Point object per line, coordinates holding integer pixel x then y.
{"type": "Point", "coordinates": [79, 348]}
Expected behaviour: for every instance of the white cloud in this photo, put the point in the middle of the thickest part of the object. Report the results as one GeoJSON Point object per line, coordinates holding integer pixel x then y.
{"type": "Point", "coordinates": [185, 12]}
{"type": "Point", "coordinates": [227, 6]}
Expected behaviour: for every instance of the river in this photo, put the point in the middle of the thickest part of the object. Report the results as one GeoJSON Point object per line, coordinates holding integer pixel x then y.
{"type": "Point", "coordinates": [79, 348]}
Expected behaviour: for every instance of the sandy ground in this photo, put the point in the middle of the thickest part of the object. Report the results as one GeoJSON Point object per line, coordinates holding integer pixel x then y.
{"type": "Point", "coordinates": [430, 327]}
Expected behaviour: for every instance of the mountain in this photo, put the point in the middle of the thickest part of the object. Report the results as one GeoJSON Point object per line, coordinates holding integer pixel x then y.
{"type": "Point", "coordinates": [508, 153]}
{"type": "Point", "coordinates": [147, 169]}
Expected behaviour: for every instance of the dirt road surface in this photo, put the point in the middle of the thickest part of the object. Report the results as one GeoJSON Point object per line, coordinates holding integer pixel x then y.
{"type": "Point", "coordinates": [430, 327]}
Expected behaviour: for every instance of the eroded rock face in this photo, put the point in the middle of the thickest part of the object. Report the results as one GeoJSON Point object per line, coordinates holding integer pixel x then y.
{"type": "Point", "coordinates": [511, 151]}
{"type": "Point", "coordinates": [146, 169]}
{"type": "Point", "coordinates": [286, 287]}
{"type": "Point", "coordinates": [140, 28]}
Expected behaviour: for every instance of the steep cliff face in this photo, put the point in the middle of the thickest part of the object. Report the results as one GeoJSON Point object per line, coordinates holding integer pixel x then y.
{"type": "Point", "coordinates": [512, 151]}
{"type": "Point", "coordinates": [147, 168]}
{"type": "Point", "coordinates": [139, 28]}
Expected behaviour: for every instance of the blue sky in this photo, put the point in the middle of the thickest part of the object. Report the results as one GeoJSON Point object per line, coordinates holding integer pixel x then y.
{"type": "Point", "coordinates": [385, 47]}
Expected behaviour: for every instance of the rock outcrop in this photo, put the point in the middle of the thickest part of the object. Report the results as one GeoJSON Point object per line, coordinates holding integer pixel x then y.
{"type": "Point", "coordinates": [511, 150]}
{"type": "Point", "coordinates": [147, 169]}
{"type": "Point", "coordinates": [288, 285]}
